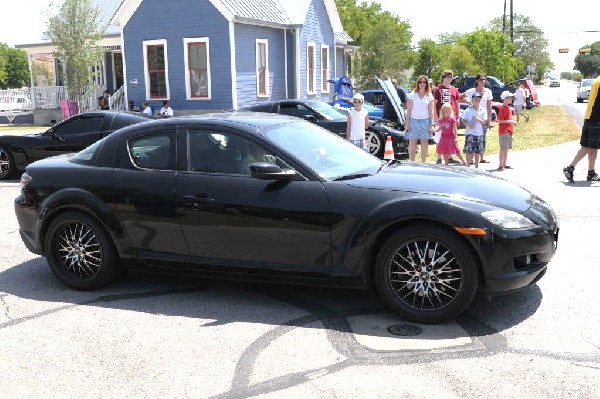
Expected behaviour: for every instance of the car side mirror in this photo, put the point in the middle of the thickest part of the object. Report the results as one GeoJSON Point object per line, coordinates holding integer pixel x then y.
{"type": "Point", "coordinates": [310, 118]}
{"type": "Point", "coordinates": [269, 171]}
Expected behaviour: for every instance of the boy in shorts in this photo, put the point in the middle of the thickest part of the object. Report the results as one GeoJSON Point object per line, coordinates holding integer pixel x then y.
{"type": "Point", "coordinates": [474, 118]}
{"type": "Point", "coordinates": [520, 101]}
{"type": "Point", "coordinates": [505, 128]}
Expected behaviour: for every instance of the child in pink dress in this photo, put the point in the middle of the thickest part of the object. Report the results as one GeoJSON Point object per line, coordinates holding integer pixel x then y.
{"type": "Point", "coordinates": [448, 145]}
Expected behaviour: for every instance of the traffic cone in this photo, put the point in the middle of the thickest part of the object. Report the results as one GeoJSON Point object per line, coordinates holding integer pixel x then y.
{"type": "Point", "coordinates": [388, 153]}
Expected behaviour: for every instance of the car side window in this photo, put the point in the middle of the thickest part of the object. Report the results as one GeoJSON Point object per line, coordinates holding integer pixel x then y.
{"type": "Point", "coordinates": [153, 151]}
{"type": "Point", "coordinates": [225, 153]}
{"type": "Point", "coordinates": [79, 126]}
{"type": "Point", "coordinates": [290, 110]}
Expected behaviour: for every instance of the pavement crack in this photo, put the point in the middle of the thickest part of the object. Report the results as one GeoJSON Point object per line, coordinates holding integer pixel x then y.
{"type": "Point", "coordinates": [5, 306]}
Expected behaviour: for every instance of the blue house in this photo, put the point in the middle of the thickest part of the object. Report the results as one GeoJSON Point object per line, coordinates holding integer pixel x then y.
{"type": "Point", "coordinates": [205, 55]}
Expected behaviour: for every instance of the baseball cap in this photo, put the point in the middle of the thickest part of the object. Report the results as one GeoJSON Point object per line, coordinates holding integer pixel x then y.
{"type": "Point", "coordinates": [505, 94]}
{"type": "Point", "coordinates": [476, 94]}
{"type": "Point", "coordinates": [359, 97]}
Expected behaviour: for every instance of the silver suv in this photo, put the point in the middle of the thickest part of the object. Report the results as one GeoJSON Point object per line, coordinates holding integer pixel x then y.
{"type": "Point", "coordinates": [583, 89]}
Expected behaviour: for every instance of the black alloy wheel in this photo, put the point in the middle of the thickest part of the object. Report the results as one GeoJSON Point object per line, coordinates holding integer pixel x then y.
{"type": "Point", "coordinates": [80, 252]}
{"type": "Point", "coordinates": [7, 164]}
{"type": "Point", "coordinates": [426, 273]}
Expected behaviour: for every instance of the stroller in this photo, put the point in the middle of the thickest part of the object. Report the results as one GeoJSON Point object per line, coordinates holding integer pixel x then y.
{"type": "Point", "coordinates": [342, 90]}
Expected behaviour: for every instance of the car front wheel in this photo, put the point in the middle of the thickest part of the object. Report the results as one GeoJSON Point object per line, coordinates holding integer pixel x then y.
{"type": "Point", "coordinates": [80, 252]}
{"type": "Point", "coordinates": [374, 143]}
{"type": "Point", "coordinates": [7, 164]}
{"type": "Point", "coordinates": [426, 273]}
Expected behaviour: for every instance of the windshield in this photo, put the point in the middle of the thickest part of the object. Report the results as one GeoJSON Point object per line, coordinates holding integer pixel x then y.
{"type": "Point", "coordinates": [324, 152]}
{"type": "Point", "coordinates": [586, 82]}
{"type": "Point", "coordinates": [327, 110]}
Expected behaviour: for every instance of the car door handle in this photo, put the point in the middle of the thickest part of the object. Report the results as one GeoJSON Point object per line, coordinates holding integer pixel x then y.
{"type": "Point", "coordinates": [196, 200]}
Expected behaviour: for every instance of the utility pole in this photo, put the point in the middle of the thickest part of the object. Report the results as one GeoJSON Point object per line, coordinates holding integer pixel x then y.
{"type": "Point", "coordinates": [511, 22]}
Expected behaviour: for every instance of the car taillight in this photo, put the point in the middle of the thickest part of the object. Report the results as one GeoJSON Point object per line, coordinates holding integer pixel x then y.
{"type": "Point", "coordinates": [25, 179]}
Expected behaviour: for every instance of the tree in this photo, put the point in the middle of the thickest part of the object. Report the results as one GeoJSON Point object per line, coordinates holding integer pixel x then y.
{"type": "Point", "coordinates": [589, 64]}
{"type": "Point", "coordinates": [492, 51]}
{"type": "Point", "coordinates": [530, 45]}
{"type": "Point", "coordinates": [14, 67]}
{"type": "Point", "coordinates": [383, 40]}
{"type": "Point", "coordinates": [429, 58]}
{"type": "Point", "coordinates": [76, 31]}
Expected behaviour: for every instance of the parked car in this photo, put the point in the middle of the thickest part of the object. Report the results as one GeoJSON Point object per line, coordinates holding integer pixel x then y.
{"type": "Point", "coordinates": [374, 96]}
{"type": "Point", "coordinates": [16, 103]}
{"type": "Point", "coordinates": [325, 115]}
{"type": "Point", "coordinates": [345, 104]}
{"type": "Point", "coordinates": [532, 99]}
{"type": "Point", "coordinates": [463, 83]}
{"type": "Point", "coordinates": [71, 135]}
{"type": "Point", "coordinates": [583, 90]}
{"type": "Point", "coordinates": [554, 81]}
{"type": "Point", "coordinates": [174, 196]}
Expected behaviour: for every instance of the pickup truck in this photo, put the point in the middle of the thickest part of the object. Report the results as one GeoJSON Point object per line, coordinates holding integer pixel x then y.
{"type": "Point", "coordinates": [463, 83]}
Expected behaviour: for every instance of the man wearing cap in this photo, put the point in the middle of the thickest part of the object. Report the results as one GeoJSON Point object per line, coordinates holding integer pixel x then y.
{"type": "Point", "coordinates": [358, 122]}
{"type": "Point", "coordinates": [590, 136]}
{"type": "Point", "coordinates": [505, 128]}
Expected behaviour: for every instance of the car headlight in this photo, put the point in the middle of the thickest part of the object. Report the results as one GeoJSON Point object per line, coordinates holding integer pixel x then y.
{"type": "Point", "coordinates": [507, 219]}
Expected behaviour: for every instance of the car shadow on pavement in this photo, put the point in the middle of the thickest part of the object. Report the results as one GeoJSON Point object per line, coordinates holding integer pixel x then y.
{"type": "Point", "coordinates": [225, 302]}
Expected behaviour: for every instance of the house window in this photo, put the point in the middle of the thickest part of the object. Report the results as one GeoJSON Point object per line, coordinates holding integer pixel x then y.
{"type": "Point", "coordinates": [324, 68]}
{"type": "Point", "coordinates": [311, 70]}
{"type": "Point", "coordinates": [156, 69]}
{"type": "Point", "coordinates": [262, 67]}
{"type": "Point", "coordinates": [197, 65]}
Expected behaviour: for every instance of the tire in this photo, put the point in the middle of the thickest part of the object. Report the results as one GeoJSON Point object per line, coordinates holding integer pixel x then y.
{"type": "Point", "coordinates": [415, 288]}
{"type": "Point", "coordinates": [80, 252]}
{"type": "Point", "coordinates": [374, 143]}
{"type": "Point", "coordinates": [579, 100]}
{"type": "Point", "coordinates": [7, 164]}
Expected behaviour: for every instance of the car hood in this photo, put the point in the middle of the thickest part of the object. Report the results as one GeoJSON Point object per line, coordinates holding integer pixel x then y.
{"type": "Point", "coordinates": [390, 91]}
{"type": "Point", "coordinates": [456, 182]}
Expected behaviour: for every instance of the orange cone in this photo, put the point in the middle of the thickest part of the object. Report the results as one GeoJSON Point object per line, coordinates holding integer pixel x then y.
{"type": "Point", "coordinates": [388, 153]}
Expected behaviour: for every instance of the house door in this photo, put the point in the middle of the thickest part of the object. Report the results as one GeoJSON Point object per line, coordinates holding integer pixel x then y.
{"type": "Point", "coordinates": [118, 64]}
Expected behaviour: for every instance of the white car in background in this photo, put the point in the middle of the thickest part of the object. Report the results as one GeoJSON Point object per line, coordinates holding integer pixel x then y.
{"type": "Point", "coordinates": [554, 82]}
{"type": "Point", "coordinates": [583, 90]}
{"type": "Point", "coordinates": [16, 103]}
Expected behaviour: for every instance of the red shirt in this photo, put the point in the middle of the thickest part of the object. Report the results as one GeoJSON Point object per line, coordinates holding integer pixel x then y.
{"type": "Point", "coordinates": [443, 94]}
{"type": "Point", "coordinates": [505, 113]}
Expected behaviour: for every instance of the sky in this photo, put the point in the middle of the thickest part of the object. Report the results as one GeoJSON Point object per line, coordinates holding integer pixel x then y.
{"type": "Point", "coordinates": [24, 21]}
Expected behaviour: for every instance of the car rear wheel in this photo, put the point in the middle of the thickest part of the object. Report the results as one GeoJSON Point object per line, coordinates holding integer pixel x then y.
{"type": "Point", "coordinates": [80, 252]}
{"type": "Point", "coordinates": [426, 273]}
{"type": "Point", "coordinates": [374, 143]}
{"type": "Point", "coordinates": [7, 164]}
{"type": "Point", "coordinates": [579, 100]}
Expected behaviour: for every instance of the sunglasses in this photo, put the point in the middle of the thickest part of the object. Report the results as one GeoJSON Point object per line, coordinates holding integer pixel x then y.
{"type": "Point", "coordinates": [483, 79]}
{"type": "Point", "coordinates": [422, 81]}
{"type": "Point", "coordinates": [357, 101]}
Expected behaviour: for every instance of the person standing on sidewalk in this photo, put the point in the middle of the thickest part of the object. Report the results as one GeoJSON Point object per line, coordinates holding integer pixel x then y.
{"type": "Point", "coordinates": [590, 136]}
{"type": "Point", "coordinates": [358, 122]}
{"type": "Point", "coordinates": [419, 118]}
{"type": "Point", "coordinates": [505, 128]}
{"type": "Point", "coordinates": [474, 119]}
{"type": "Point", "coordinates": [485, 105]}
{"type": "Point", "coordinates": [446, 93]}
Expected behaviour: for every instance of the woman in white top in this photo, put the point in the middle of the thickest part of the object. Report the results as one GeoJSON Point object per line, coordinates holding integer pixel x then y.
{"type": "Point", "coordinates": [358, 122]}
{"type": "Point", "coordinates": [486, 105]}
{"type": "Point", "coordinates": [419, 118]}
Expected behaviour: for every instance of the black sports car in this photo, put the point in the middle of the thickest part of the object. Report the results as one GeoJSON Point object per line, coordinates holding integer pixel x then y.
{"type": "Point", "coordinates": [71, 135]}
{"type": "Point", "coordinates": [325, 115]}
{"type": "Point", "coordinates": [268, 197]}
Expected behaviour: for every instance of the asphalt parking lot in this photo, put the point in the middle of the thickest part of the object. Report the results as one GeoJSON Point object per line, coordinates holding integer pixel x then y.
{"type": "Point", "coordinates": [151, 336]}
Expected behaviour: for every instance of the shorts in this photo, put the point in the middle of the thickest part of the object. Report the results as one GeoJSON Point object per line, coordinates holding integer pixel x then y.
{"type": "Point", "coordinates": [473, 144]}
{"type": "Point", "coordinates": [506, 140]}
{"type": "Point", "coordinates": [590, 134]}
{"type": "Point", "coordinates": [360, 143]}
{"type": "Point", "coordinates": [419, 129]}
{"type": "Point", "coordinates": [518, 109]}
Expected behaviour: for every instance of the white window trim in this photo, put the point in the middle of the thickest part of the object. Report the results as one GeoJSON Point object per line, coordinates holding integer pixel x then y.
{"type": "Point", "coordinates": [310, 46]}
{"type": "Point", "coordinates": [145, 45]}
{"type": "Point", "coordinates": [188, 87]}
{"type": "Point", "coordinates": [324, 83]}
{"type": "Point", "coordinates": [267, 86]}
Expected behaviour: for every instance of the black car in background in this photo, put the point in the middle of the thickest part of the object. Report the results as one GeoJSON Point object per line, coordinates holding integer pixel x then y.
{"type": "Point", "coordinates": [265, 197]}
{"type": "Point", "coordinates": [71, 135]}
{"type": "Point", "coordinates": [325, 115]}
{"type": "Point", "coordinates": [464, 83]}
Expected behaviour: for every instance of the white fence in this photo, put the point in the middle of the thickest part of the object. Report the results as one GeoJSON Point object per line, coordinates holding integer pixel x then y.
{"type": "Point", "coordinates": [49, 97]}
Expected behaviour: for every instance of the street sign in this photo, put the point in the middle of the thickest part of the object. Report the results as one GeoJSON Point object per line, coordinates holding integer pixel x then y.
{"type": "Point", "coordinates": [585, 50]}
{"type": "Point", "coordinates": [563, 50]}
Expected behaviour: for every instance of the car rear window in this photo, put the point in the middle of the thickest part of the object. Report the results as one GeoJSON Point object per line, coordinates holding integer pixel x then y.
{"type": "Point", "coordinates": [122, 120]}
